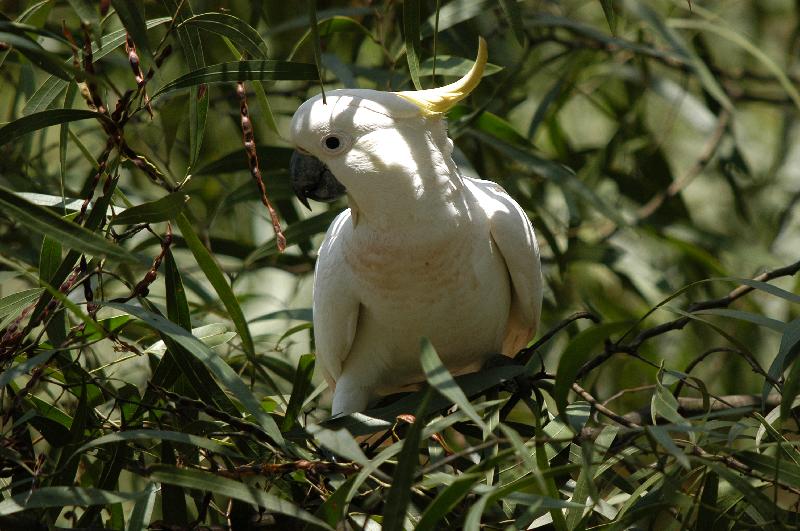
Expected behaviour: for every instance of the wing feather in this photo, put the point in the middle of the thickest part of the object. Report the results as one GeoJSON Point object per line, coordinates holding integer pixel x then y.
{"type": "Point", "coordinates": [513, 234]}
{"type": "Point", "coordinates": [336, 307]}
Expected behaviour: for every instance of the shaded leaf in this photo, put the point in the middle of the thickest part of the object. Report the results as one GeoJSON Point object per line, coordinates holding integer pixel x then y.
{"type": "Point", "coordinates": [210, 359]}
{"type": "Point", "coordinates": [580, 348]}
{"type": "Point", "coordinates": [234, 28]}
{"type": "Point", "coordinates": [234, 71]}
{"type": "Point", "coordinates": [219, 282]}
{"type": "Point", "coordinates": [205, 481]}
{"type": "Point", "coordinates": [71, 235]}
{"type": "Point", "coordinates": [40, 120]}
{"type": "Point", "coordinates": [394, 512]}
{"type": "Point", "coordinates": [411, 33]}
{"type": "Point", "coordinates": [60, 497]}
{"type": "Point", "coordinates": [166, 208]}
{"type": "Point", "coordinates": [440, 379]}
{"type": "Point", "coordinates": [132, 17]}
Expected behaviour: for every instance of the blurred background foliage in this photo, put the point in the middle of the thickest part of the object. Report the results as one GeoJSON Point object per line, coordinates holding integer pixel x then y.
{"type": "Point", "coordinates": [655, 145]}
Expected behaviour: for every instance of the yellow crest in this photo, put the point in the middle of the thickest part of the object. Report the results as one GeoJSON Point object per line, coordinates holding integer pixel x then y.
{"type": "Point", "coordinates": [440, 100]}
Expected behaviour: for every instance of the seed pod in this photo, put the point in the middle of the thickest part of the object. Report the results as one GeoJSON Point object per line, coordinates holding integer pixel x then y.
{"type": "Point", "coordinates": [252, 160]}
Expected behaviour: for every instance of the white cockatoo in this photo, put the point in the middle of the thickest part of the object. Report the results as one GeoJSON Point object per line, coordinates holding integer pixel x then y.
{"type": "Point", "coordinates": [422, 251]}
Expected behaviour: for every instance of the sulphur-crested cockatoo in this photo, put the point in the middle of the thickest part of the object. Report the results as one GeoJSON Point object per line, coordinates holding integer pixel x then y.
{"type": "Point", "coordinates": [422, 251]}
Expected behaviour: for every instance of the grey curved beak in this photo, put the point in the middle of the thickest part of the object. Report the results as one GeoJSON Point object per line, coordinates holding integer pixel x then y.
{"type": "Point", "coordinates": [311, 179]}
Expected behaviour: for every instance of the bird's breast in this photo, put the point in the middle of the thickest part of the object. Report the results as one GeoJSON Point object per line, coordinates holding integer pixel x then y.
{"type": "Point", "coordinates": [405, 270]}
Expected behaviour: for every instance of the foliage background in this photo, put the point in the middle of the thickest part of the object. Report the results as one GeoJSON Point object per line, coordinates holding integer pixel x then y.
{"type": "Point", "coordinates": [654, 144]}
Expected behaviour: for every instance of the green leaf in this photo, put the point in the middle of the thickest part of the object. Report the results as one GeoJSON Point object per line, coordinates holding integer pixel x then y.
{"type": "Point", "coordinates": [706, 77]}
{"type": "Point", "coordinates": [71, 235]}
{"type": "Point", "coordinates": [760, 320]}
{"type": "Point", "coordinates": [40, 120]}
{"type": "Point", "coordinates": [576, 354]}
{"type": "Point", "coordinates": [662, 437]}
{"type": "Point", "coordinates": [754, 496]}
{"type": "Point", "coordinates": [142, 510]}
{"type": "Point", "coordinates": [231, 72]}
{"type": "Point", "coordinates": [767, 288]}
{"type": "Point", "coordinates": [165, 209]}
{"type": "Point", "coordinates": [561, 175]}
{"type": "Point", "coordinates": [446, 500]}
{"type": "Point", "coordinates": [8, 375]}
{"type": "Point", "coordinates": [12, 305]}
{"type": "Point", "coordinates": [663, 404]}
{"type": "Point", "coordinates": [192, 46]}
{"type": "Point", "coordinates": [514, 15]}
{"type": "Point", "coordinates": [60, 497]}
{"type": "Point", "coordinates": [298, 314]}
{"type": "Point", "coordinates": [411, 32]}
{"type": "Point", "coordinates": [234, 28]}
{"type": "Point", "coordinates": [330, 26]}
{"type": "Point", "coordinates": [377, 419]}
{"type": "Point", "coordinates": [772, 466]}
{"type": "Point", "coordinates": [205, 481]}
{"type": "Point", "coordinates": [212, 361]}
{"type": "Point", "coordinates": [177, 304]}
{"type": "Point", "coordinates": [37, 55]}
{"type": "Point", "coordinates": [87, 12]}
{"type": "Point", "coordinates": [198, 112]}
{"type": "Point", "coordinates": [159, 435]}
{"type": "Point", "coordinates": [448, 65]}
{"type": "Point", "coordinates": [455, 12]}
{"type": "Point", "coordinates": [219, 282]}
{"type": "Point", "coordinates": [737, 38]}
{"type": "Point", "coordinates": [53, 86]}
{"type": "Point", "coordinates": [787, 353]}
{"type": "Point", "coordinates": [440, 379]}
{"type": "Point", "coordinates": [132, 17]}
{"type": "Point", "coordinates": [394, 512]}
{"type": "Point", "coordinates": [300, 389]}
{"type": "Point", "coordinates": [295, 233]}
{"type": "Point", "coordinates": [707, 513]}
{"type": "Point", "coordinates": [72, 90]}
{"type": "Point", "coordinates": [611, 17]}
{"type": "Point", "coordinates": [237, 161]}
{"type": "Point", "coordinates": [340, 442]}
{"type": "Point", "coordinates": [314, 25]}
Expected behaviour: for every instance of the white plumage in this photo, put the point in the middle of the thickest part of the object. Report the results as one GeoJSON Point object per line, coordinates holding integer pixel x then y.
{"type": "Point", "coordinates": [421, 252]}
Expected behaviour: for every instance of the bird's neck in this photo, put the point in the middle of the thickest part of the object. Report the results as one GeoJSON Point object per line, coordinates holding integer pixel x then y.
{"type": "Point", "coordinates": [408, 202]}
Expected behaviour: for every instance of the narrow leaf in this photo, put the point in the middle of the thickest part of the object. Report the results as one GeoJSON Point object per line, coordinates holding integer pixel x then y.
{"type": "Point", "coordinates": [234, 28]}
{"type": "Point", "coordinates": [60, 497]}
{"type": "Point", "coordinates": [219, 282]}
{"type": "Point", "coordinates": [394, 512]}
{"type": "Point", "coordinates": [577, 352]}
{"type": "Point", "coordinates": [132, 17]}
{"type": "Point", "coordinates": [205, 481]}
{"type": "Point", "coordinates": [440, 379]}
{"type": "Point", "coordinates": [165, 209]}
{"type": "Point", "coordinates": [611, 17]}
{"type": "Point", "coordinates": [263, 70]}
{"type": "Point", "coordinates": [40, 120]}
{"type": "Point", "coordinates": [71, 235]}
{"type": "Point", "coordinates": [514, 16]}
{"type": "Point", "coordinates": [411, 31]}
{"type": "Point", "coordinates": [210, 359]}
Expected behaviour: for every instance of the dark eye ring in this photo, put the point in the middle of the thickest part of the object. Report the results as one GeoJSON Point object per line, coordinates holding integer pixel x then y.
{"type": "Point", "coordinates": [332, 142]}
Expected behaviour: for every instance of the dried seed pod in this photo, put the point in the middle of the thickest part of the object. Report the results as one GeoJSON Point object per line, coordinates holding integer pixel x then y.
{"type": "Point", "coordinates": [141, 81]}
{"type": "Point", "coordinates": [252, 160]}
{"type": "Point", "coordinates": [88, 67]}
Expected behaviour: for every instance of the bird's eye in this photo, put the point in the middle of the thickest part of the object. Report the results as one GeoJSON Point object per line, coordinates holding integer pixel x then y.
{"type": "Point", "coordinates": [332, 142]}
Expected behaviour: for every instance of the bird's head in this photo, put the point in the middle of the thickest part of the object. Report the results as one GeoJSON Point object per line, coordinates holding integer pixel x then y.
{"type": "Point", "coordinates": [354, 139]}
